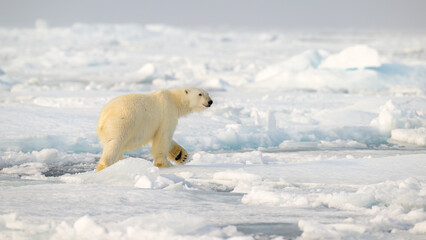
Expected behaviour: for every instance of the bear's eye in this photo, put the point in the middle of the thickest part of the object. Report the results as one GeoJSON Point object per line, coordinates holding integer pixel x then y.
{"type": "Point", "coordinates": [200, 94]}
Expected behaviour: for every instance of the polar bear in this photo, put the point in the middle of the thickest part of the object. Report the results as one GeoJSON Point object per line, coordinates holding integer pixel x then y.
{"type": "Point", "coordinates": [133, 120]}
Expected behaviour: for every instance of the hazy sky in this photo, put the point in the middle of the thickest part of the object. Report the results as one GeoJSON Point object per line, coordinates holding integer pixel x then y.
{"type": "Point", "coordinates": [262, 14]}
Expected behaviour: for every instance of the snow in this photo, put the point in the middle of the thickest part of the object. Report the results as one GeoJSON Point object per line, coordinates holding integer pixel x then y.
{"type": "Point", "coordinates": [358, 56]}
{"type": "Point", "coordinates": [419, 228]}
{"type": "Point", "coordinates": [179, 227]}
{"type": "Point", "coordinates": [311, 135]}
{"type": "Point", "coordinates": [415, 136]}
{"type": "Point", "coordinates": [393, 117]}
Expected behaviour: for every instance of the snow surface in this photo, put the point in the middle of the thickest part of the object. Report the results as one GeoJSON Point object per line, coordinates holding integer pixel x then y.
{"type": "Point", "coordinates": [311, 135]}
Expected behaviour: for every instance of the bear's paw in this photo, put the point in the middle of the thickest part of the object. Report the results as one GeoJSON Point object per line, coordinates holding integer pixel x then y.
{"type": "Point", "coordinates": [178, 154]}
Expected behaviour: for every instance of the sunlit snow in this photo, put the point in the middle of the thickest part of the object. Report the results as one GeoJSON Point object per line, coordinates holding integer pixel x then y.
{"type": "Point", "coordinates": [311, 135]}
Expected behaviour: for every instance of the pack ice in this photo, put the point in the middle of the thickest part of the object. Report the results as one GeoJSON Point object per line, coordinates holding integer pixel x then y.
{"type": "Point", "coordinates": [317, 135]}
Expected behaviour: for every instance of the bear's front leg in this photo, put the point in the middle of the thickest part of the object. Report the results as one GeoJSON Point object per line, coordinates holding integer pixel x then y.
{"type": "Point", "coordinates": [160, 145]}
{"type": "Point", "coordinates": [177, 153]}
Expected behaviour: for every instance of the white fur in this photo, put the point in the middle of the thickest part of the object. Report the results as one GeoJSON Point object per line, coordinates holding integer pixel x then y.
{"type": "Point", "coordinates": [131, 121]}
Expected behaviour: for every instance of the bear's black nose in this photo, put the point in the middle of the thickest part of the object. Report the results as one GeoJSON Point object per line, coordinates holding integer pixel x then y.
{"type": "Point", "coordinates": [210, 102]}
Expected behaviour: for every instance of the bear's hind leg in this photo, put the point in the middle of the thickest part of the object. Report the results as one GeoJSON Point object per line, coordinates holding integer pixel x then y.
{"type": "Point", "coordinates": [111, 153]}
{"type": "Point", "coordinates": [177, 153]}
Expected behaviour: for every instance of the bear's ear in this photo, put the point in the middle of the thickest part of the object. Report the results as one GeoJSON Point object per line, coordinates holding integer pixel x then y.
{"type": "Point", "coordinates": [186, 91]}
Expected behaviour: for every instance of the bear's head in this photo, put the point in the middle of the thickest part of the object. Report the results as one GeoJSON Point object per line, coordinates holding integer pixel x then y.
{"type": "Point", "coordinates": [198, 99]}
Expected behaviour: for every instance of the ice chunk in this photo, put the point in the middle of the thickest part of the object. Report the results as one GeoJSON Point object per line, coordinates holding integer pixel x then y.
{"type": "Point", "coordinates": [388, 117]}
{"type": "Point", "coordinates": [302, 62]}
{"type": "Point", "coordinates": [393, 116]}
{"type": "Point", "coordinates": [86, 228]}
{"type": "Point", "coordinates": [239, 180]}
{"type": "Point", "coordinates": [27, 169]}
{"type": "Point", "coordinates": [419, 228]}
{"type": "Point", "coordinates": [313, 230]}
{"type": "Point", "coordinates": [261, 197]}
{"type": "Point", "coordinates": [14, 227]}
{"type": "Point", "coordinates": [415, 136]}
{"type": "Point", "coordinates": [127, 172]}
{"type": "Point", "coordinates": [231, 135]}
{"type": "Point", "coordinates": [217, 84]}
{"type": "Point", "coordinates": [147, 71]}
{"type": "Point", "coordinates": [46, 155]}
{"type": "Point", "coordinates": [161, 226]}
{"type": "Point", "coordinates": [358, 56]}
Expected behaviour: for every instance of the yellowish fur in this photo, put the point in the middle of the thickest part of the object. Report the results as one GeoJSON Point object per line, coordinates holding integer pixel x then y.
{"type": "Point", "coordinates": [131, 121]}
